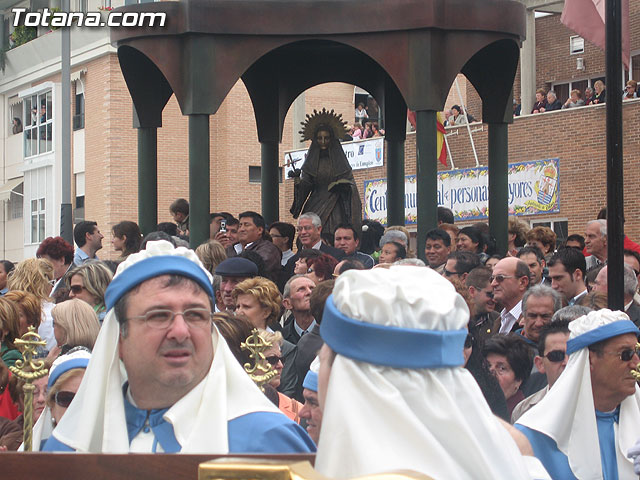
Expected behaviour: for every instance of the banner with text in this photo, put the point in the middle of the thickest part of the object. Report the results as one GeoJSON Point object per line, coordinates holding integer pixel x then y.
{"type": "Point", "coordinates": [360, 154]}
{"type": "Point", "coordinates": [534, 189]}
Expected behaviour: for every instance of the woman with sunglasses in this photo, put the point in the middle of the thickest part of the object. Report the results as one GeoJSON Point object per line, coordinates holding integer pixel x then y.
{"type": "Point", "coordinates": [65, 376]}
{"type": "Point", "coordinates": [88, 282]}
{"type": "Point", "coordinates": [259, 301]}
{"type": "Point", "coordinates": [273, 354]}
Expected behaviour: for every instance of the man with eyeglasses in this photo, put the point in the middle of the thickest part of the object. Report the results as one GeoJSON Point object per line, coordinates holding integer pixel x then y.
{"type": "Point", "coordinates": [459, 264]}
{"type": "Point", "coordinates": [482, 325]}
{"type": "Point", "coordinates": [587, 422]}
{"type": "Point", "coordinates": [550, 361]}
{"type": "Point", "coordinates": [310, 235]}
{"type": "Point", "coordinates": [510, 279]}
{"type": "Point", "coordinates": [183, 391]}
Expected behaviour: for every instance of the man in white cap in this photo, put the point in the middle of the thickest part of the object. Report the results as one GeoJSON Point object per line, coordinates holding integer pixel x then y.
{"type": "Point", "coordinates": [398, 397]}
{"type": "Point", "coordinates": [586, 423]}
{"type": "Point", "coordinates": [161, 378]}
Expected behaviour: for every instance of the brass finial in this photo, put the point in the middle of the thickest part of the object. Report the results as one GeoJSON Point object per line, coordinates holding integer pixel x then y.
{"type": "Point", "coordinates": [29, 370]}
{"type": "Point", "coordinates": [261, 372]}
{"type": "Point", "coordinates": [636, 371]}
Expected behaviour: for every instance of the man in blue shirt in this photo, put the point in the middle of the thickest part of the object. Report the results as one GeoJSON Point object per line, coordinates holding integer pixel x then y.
{"type": "Point", "coordinates": [589, 419]}
{"type": "Point", "coordinates": [162, 379]}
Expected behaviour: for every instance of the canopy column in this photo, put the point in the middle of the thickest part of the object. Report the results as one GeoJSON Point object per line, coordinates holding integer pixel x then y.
{"type": "Point", "coordinates": [499, 185]}
{"type": "Point", "coordinates": [199, 194]}
{"type": "Point", "coordinates": [427, 175]}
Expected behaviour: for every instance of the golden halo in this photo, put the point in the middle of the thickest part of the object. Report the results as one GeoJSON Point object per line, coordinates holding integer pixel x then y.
{"type": "Point", "coordinates": [331, 120]}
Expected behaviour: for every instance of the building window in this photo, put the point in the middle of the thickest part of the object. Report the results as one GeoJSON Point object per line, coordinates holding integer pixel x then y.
{"type": "Point", "coordinates": [560, 228]}
{"type": "Point", "coordinates": [78, 114]}
{"type": "Point", "coordinates": [16, 124]}
{"type": "Point", "coordinates": [38, 127]}
{"type": "Point", "coordinates": [576, 44]}
{"type": "Point", "coordinates": [255, 175]}
{"type": "Point", "coordinates": [16, 202]}
{"type": "Point", "coordinates": [38, 186]}
{"type": "Point", "coordinates": [37, 220]}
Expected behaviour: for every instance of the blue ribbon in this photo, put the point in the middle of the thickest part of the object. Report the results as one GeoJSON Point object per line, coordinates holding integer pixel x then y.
{"type": "Point", "coordinates": [154, 267]}
{"type": "Point", "coordinates": [604, 332]}
{"type": "Point", "coordinates": [311, 381]}
{"type": "Point", "coordinates": [65, 367]}
{"type": "Point", "coordinates": [391, 346]}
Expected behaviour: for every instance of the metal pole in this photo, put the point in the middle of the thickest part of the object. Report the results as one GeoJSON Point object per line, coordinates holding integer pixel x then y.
{"type": "Point", "coordinates": [466, 122]}
{"type": "Point", "coordinates": [499, 185]}
{"type": "Point", "coordinates": [66, 214]}
{"type": "Point", "coordinates": [615, 198]}
{"type": "Point", "coordinates": [270, 188]}
{"type": "Point", "coordinates": [395, 182]}
{"type": "Point", "coordinates": [147, 179]}
{"type": "Point", "coordinates": [427, 175]}
{"type": "Point", "coordinates": [199, 188]}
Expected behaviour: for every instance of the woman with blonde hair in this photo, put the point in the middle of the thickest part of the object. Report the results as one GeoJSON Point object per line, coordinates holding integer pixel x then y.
{"type": "Point", "coordinates": [9, 331]}
{"type": "Point", "coordinates": [88, 282]}
{"type": "Point", "coordinates": [259, 300]}
{"type": "Point", "coordinates": [211, 253]}
{"type": "Point", "coordinates": [75, 324]}
{"type": "Point", "coordinates": [29, 309]}
{"type": "Point", "coordinates": [36, 276]}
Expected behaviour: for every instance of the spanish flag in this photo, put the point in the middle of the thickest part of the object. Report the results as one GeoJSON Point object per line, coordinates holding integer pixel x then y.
{"type": "Point", "coordinates": [442, 145]}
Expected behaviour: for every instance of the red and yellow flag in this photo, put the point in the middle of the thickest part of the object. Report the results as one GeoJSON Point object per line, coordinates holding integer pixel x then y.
{"type": "Point", "coordinates": [442, 145]}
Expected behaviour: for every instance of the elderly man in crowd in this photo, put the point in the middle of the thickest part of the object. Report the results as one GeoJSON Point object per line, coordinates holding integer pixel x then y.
{"type": "Point", "coordinates": [231, 272]}
{"type": "Point", "coordinates": [310, 235]}
{"type": "Point", "coordinates": [630, 286]}
{"type": "Point", "coordinates": [296, 298]}
{"type": "Point", "coordinates": [183, 390]}
{"type": "Point", "coordinates": [539, 303]}
{"type": "Point", "coordinates": [403, 380]}
{"type": "Point", "coordinates": [595, 242]}
{"type": "Point", "coordinates": [586, 423]}
{"type": "Point", "coordinates": [510, 279]}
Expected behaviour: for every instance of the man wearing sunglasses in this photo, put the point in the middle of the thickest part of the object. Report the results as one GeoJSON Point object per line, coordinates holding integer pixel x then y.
{"type": "Point", "coordinates": [550, 361]}
{"type": "Point", "coordinates": [510, 279]}
{"type": "Point", "coordinates": [183, 391]}
{"type": "Point", "coordinates": [587, 422]}
{"type": "Point", "coordinates": [482, 325]}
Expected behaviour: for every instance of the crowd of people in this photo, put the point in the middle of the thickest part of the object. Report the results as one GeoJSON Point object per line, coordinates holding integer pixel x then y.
{"type": "Point", "coordinates": [470, 351]}
{"type": "Point", "coordinates": [547, 101]}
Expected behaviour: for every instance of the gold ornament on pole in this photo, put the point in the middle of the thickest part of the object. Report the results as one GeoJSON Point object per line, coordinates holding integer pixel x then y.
{"type": "Point", "coordinates": [261, 372]}
{"type": "Point", "coordinates": [29, 370]}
